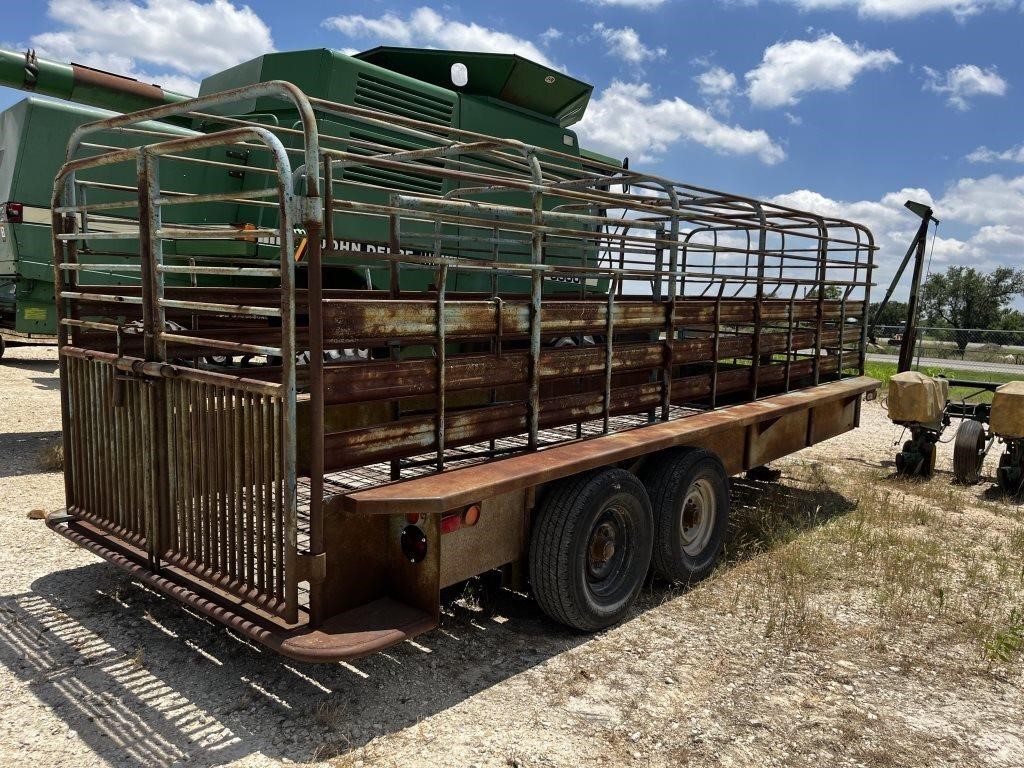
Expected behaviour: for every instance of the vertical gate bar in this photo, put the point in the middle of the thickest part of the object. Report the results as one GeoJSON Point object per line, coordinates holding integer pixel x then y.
{"type": "Point", "coordinates": [255, 450]}
{"type": "Point", "coordinates": [174, 398]}
{"type": "Point", "coordinates": [197, 490]}
{"type": "Point", "coordinates": [220, 453]}
{"type": "Point", "coordinates": [820, 324]}
{"type": "Point", "coordinates": [199, 452]}
{"type": "Point", "coordinates": [716, 353]}
{"type": "Point", "coordinates": [63, 252]}
{"type": "Point", "coordinates": [440, 350]}
{"type": "Point", "coordinates": [313, 225]}
{"type": "Point", "coordinates": [94, 468]}
{"type": "Point", "coordinates": [266, 448]}
{"type": "Point", "coordinates": [866, 307]}
{"type": "Point", "coordinates": [278, 506]}
{"type": "Point", "coordinates": [609, 346]}
{"type": "Point", "coordinates": [227, 484]}
{"type": "Point", "coordinates": [790, 352]}
{"type": "Point", "coordinates": [536, 287]}
{"type": "Point", "coordinates": [669, 328]}
{"type": "Point", "coordinates": [148, 520]}
{"type": "Point", "coordinates": [250, 521]}
{"type": "Point", "coordinates": [187, 476]}
{"type": "Point", "coordinates": [762, 244]}
{"type": "Point", "coordinates": [123, 457]}
{"type": "Point", "coordinates": [842, 325]}
{"type": "Point", "coordinates": [237, 493]}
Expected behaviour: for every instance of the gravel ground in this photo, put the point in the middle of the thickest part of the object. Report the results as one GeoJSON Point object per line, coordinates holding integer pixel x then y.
{"type": "Point", "coordinates": [96, 670]}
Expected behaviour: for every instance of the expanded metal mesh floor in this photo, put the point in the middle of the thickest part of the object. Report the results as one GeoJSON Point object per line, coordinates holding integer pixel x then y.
{"type": "Point", "coordinates": [373, 475]}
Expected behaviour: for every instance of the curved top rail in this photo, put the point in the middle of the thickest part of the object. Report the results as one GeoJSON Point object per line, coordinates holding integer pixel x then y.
{"type": "Point", "coordinates": [272, 88]}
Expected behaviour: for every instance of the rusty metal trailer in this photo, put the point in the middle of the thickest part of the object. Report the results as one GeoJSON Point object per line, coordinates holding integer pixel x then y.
{"type": "Point", "coordinates": [596, 351]}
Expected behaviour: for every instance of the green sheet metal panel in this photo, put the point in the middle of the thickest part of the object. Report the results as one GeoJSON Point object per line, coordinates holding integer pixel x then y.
{"type": "Point", "coordinates": [507, 77]}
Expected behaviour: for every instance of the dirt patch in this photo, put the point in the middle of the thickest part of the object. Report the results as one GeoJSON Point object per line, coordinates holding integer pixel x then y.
{"type": "Point", "coordinates": [855, 620]}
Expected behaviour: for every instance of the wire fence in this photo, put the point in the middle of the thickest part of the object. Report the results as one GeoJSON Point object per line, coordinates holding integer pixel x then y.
{"type": "Point", "coordinates": [993, 349]}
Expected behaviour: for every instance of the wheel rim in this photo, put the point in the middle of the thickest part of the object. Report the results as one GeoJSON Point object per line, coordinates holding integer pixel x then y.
{"type": "Point", "coordinates": [608, 551]}
{"type": "Point", "coordinates": [697, 516]}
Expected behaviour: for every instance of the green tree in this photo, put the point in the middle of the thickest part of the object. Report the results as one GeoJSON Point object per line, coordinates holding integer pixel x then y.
{"type": "Point", "coordinates": [895, 313]}
{"type": "Point", "coordinates": [962, 298]}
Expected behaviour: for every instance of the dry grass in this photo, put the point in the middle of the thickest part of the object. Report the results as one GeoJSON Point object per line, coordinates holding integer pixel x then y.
{"type": "Point", "coordinates": [861, 553]}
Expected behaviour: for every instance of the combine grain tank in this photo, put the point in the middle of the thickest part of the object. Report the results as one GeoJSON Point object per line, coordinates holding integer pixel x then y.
{"type": "Point", "coordinates": [468, 353]}
{"type": "Point", "coordinates": [33, 135]}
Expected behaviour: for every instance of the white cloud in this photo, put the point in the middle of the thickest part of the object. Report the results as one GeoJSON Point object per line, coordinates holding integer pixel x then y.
{"type": "Point", "coordinates": [625, 119]}
{"type": "Point", "coordinates": [904, 9]}
{"type": "Point", "coordinates": [963, 82]}
{"type": "Point", "coordinates": [549, 35]}
{"type": "Point", "coordinates": [983, 216]}
{"type": "Point", "coordinates": [625, 43]}
{"type": "Point", "coordinates": [190, 38]}
{"type": "Point", "coordinates": [716, 81]}
{"type": "Point", "coordinates": [790, 69]}
{"type": "Point", "coordinates": [425, 27]}
{"type": "Point", "coordinates": [990, 200]}
{"type": "Point", "coordinates": [642, 4]}
{"type": "Point", "coordinates": [986, 155]}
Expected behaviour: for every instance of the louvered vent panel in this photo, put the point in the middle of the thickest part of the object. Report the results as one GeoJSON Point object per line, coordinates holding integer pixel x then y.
{"type": "Point", "coordinates": [373, 93]}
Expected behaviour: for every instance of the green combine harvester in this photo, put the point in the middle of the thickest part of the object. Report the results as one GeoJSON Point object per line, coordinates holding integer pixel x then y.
{"type": "Point", "coordinates": [508, 97]}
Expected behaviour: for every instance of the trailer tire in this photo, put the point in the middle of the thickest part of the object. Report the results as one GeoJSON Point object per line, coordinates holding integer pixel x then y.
{"type": "Point", "coordinates": [590, 548]}
{"type": "Point", "coordinates": [689, 491]}
{"type": "Point", "coordinates": [968, 452]}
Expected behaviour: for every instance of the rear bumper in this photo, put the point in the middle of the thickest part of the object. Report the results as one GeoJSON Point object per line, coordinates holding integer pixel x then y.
{"type": "Point", "coordinates": [357, 632]}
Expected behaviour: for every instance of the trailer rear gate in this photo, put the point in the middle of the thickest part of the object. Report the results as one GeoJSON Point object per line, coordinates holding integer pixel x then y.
{"type": "Point", "coordinates": [518, 362]}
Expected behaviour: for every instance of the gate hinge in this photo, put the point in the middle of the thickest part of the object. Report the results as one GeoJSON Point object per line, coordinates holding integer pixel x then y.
{"type": "Point", "coordinates": [310, 567]}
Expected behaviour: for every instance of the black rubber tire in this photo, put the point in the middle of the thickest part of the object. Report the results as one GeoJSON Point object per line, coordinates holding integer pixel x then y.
{"type": "Point", "coordinates": [669, 477]}
{"type": "Point", "coordinates": [565, 522]}
{"type": "Point", "coordinates": [928, 465]}
{"type": "Point", "coordinates": [3, 346]}
{"type": "Point", "coordinates": [1007, 485]}
{"type": "Point", "coordinates": [968, 452]}
{"type": "Point", "coordinates": [921, 466]}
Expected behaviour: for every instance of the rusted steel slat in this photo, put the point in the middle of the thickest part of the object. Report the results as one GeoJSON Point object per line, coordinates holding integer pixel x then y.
{"type": "Point", "coordinates": [361, 321]}
{"type": "Point", "coordinates": [413, 435]}
{"type": "Point", "coordinates": [379, 380]}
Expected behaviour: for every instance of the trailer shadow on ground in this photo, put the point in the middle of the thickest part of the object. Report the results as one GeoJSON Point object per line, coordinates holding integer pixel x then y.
{"type": "Point", "coordinates": [26, 451]}
{"type": "Point", "coordinates": [46, 367]}
{"type": "Point", "coordinates": [144, 681]}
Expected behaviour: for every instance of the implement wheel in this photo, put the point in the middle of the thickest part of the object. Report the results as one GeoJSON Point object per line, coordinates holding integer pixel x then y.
{"type": "Point", "coordinates": [590, 548]}
{"type": "Point", "coordinates": [968, 452]}
{"type": "Point", "coordinates": [1010, 475]}
{"type": "Point", "coordinates": [689, 492]}
{"type": "Point", "coordinates": [917, 459]}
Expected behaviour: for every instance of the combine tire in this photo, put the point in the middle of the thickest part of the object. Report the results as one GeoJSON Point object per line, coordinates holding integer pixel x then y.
{"type": "Point", "coordinates": [968, 452]}
{"type": "Point", "coordinates": [590, 548]}
{"type": "Point", "coordinates": [689, 492]}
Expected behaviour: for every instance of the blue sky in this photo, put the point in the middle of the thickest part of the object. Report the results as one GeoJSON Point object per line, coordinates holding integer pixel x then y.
{"type": "Point", "coordinates": [841, 106]}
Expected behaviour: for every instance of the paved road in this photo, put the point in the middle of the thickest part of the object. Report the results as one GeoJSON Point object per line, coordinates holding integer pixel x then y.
{"type": "Point", "coordinates": [954, 365]}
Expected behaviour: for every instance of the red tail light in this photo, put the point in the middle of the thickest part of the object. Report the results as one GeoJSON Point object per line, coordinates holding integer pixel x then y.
{"type": "Point", "coordinates": [414, 543]}
{"type": "Point", "coordinates": [14, 212]}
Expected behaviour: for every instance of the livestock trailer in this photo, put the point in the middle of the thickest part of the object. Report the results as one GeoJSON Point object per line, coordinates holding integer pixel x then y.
{"type": "Point", "coordinates": [551, 369]}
